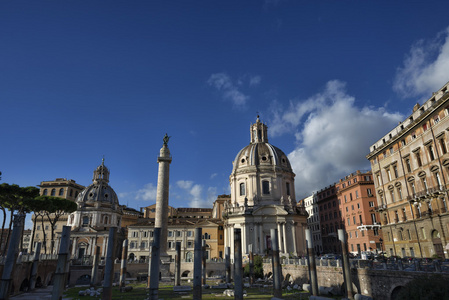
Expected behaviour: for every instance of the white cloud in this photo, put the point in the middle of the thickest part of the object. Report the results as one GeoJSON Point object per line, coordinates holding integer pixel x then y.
{"type": "Point", "coordinates": [333, 136]}
{"type": "Point", "coordinates": [426, 67]}
{"type": "Point", "coordinates": [148, 193]}
{"type": "Point", "coordinates": [255, 80]}
{"type": "Point", "coordinates": [230, 91]}
{"type": "Point", "coordinates": [213, 175]}
{"type": "Point", "coordinates": [195, 194]}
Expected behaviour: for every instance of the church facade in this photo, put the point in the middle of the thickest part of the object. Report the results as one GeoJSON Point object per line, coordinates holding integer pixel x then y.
{"type": "Point", "coordinates": [98, 210]}
{"type": "Point", "coordinates": [263, 198]}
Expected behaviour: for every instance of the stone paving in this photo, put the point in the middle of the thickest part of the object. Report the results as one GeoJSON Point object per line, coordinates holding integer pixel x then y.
{"type": "Point", "coordinates": [38, 294]}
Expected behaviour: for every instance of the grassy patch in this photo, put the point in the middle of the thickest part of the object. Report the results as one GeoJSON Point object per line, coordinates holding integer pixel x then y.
{"type": "Point", "coordinates": [140, 291]}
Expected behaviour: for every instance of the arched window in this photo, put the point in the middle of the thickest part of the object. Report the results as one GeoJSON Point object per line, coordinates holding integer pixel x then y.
{"type": "Point", "coordinates": [266, 187]}
{"type": "Point", "coordinates": [53, 192]}
{"type": "Point", "coordinates": [45, 192]}
{"type": "Point", "coordinates": [189, 256]}
{"type": "Point", "coordinates": [242, 189]}
{"type": "Point", "coordinates": [61, 192]}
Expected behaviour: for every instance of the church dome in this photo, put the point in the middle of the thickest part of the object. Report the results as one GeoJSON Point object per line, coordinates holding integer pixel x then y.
{"type": "Point", "coordinates": [99, 193]}
{"type": "Point", "coordinates": [260, 153]}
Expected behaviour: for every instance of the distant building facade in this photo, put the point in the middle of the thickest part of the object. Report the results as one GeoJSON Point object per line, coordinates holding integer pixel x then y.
{"type": "Point", "coordinates": [60, 187]}
{"type": "Point", "coordinates": [181, 228]}
{"type": "Point", "coordinates": [411, 176]}
{"type": "Point", "coordinates": [359, 214]}
{"type": "Point", "coordinates": [313, 221]}
{"type": "Point", "coordinates": [330, 219]}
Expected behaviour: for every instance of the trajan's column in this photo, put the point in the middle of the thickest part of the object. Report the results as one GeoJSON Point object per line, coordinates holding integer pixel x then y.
{"type": "Point", "coordinates": [161, 220]}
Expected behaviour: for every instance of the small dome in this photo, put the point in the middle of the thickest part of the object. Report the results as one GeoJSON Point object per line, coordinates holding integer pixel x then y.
{"type": "Point", "coordinates": [99, 191]}
{"type": "Point", "coordinates": [259, 152]}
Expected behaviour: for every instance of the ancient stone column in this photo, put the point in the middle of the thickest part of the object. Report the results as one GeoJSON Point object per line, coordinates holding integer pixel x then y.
{"type": "Point", "coordinates": [62, 266]}
{"type": "Point", "coordinates": [178, 264]}
{"type": "Point", "coordinates": [312, 263]}
{"type": "Point", "coordinates": [94, 275]}
{"type": "Point", "coordinates": [123, 265]}
{"type": "Point", "coordinates": [346, 266]}
{"type": "Point", "coordinates": [11, 256]}
{"type": "Point", "coordinates": [161, 219]}
{"type": "Point", "coordinates": [238, 266]}
{"type": "Point", "coordinates": [109, 267]}
{"type": "Point", "coordinates": [154, 265]}
{"type": "Point", "coordinates": [228, 264]}
{"type": "Point", "coordinates": [251, 264]}
{"type": "Point", "coordinates": [204, 261]}
{"type": "Point", "coordinates": [197, 292]}
{"type": "Point", "coordinates": [276, 264]}
{"type": "Point", "coordinates": [34, 266]}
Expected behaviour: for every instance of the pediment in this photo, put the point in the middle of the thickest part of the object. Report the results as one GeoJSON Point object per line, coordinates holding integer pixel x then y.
{"type": "Point", "coordinates": [270, 210]}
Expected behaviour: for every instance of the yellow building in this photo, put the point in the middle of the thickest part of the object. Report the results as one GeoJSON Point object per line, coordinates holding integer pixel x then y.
{"type": "Point", "coordinates": [60, 187]}
{"type": "Point", "coordinates": [410, 165]}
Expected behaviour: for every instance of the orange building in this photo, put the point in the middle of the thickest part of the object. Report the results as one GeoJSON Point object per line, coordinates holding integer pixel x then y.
{"type": "Point", "coordinates": [358, 212]}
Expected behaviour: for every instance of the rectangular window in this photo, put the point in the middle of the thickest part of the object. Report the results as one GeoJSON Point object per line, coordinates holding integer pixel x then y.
{"type": "Point", "coordinates": [392, 196]}
{"type": "Point", "coordinates": [418, 159]}
{"type": "Point", "coordinates": [145, 234]}
{"type": "Point", "coordinates": [266, 187]}
{"type": "Point", "coordinates": [368, 191]}
{"type": "Point", "coordinates": [371, 204]}
{"type": "Point", "coordinates": [242, 189]}
{"type": "Point", "coordinates": [400, 193]}
{"type": "Point", "coordinates": [178, 233]}
{"type": "Point", "coordinates": [189, 233]}
{"type": "Point", "coordinates": [409, 234]}
{"type": "Point", "coordinates": [350, 196]}
{"type": "Point", "coordinates": [407, 164]}
{"type": "Point", "coordinates": [376, 231]}
{"type": "Point", "coordinates": [423, 232]}
{"type": "Point", "coordinates": [389, 174]}
{"type": "Point", "coordinates": [349, 222]}
{"type": "Point", "coordinates": [356, 194]}
{"type": "Point", "coordinates": [373, 218]}
{"type": "Point", "coordinates": [346, 199]}
{"type": "Point", "coordinates": [395, 171]}
{"type": "Point", "coordinates": [443, 146]}
{"type": "Point", "coordinates": [431, 153]}
{"type": "Point", "coordinates": [358, 205]}
{"type": "Point", "coordinates": [288, 188]}
{"type": "Point", "coordinates": [170, 233]}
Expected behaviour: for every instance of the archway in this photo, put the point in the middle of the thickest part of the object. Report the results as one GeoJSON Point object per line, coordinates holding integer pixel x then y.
{"type": "Point", "coordinates": [24, 286]}
{"type": "Point", "coordinates": [437, 245]}
{"type": "Point", "coordinates": [395, 292]}
{"type": "Point", "coordinates": [131, 257]}
{"type": "Point", "coordinates": [38, 282]}
{"type": "Point", "coordinates": [185, 273]}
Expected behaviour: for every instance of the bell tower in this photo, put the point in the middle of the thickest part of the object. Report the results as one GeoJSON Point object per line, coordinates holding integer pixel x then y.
{"type": "Point", "coordinates": [259, 132]}
{"type": "Point", "coordinates": [101, 173]}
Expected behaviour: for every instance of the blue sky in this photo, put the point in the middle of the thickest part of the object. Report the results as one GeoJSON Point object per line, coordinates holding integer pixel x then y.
{"type": "Point", "coordinates": [83, 79]}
